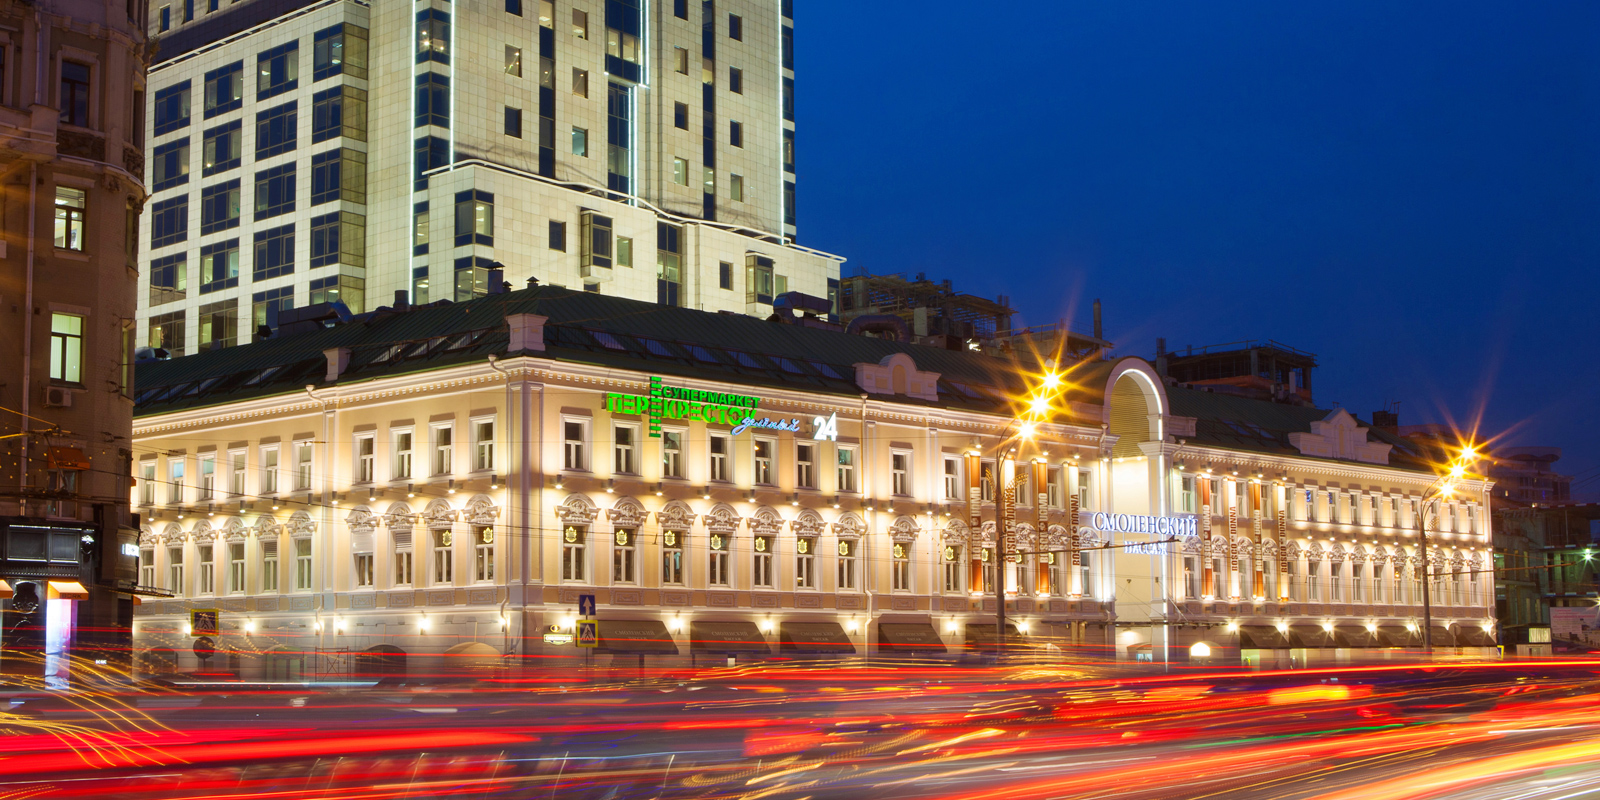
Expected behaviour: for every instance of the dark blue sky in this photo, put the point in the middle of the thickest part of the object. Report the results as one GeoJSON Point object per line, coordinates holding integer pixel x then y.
{"type": "Point", "coordinates": [1410, 191]}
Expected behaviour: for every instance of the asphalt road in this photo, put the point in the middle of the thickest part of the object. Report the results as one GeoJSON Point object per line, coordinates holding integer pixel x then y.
{"type": "Point", "coordinates": [1504, 730]}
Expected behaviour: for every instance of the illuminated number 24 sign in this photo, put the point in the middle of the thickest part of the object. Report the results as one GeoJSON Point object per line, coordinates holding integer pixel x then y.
{"type": "Point", "coordinates": [826, 429]}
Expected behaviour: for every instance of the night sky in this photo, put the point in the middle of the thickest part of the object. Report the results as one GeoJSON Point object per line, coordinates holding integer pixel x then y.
{"type": "Point", "coordinates": [1407, 190]}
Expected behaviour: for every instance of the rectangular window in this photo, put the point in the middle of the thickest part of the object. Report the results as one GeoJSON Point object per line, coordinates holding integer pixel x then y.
{"type": "Point", "coordinates": [175, 569]}
{"type": "Point", "coordinates": [672, 558]}
{"type": "Point", "coordinates": [622, 45]}
{"type": "Point", "coordinates": [482, 445]}
{"type": "Point", "coordinates": [483, 555]}
{"type": "Point", "coordinates": [269, 470]}
{"type": "Point", "coordinates": [175, 481]}
{"type": "Point", "coordinates": [302, 564]}
{"type": "Point", "coordinates": [74, 94]}
{"type": "Point", "coordinates": [172, 109]}
{"type": "Point", "coordinates": [269, 565]}
{"type": "Point", "coordinates": [622, 556]}
{"type": "Point", "coordinates": [147, 567]}
{"type": "Point", "coordinates": [170, 165]}
{"type": "Point", "coordinates": [900, 578]}
{"type": "Point", "coordinates": [717, 573]}
{"type": "Point", "coordinates": [725, 276]}
{"type": "Point", "coordinates": [169, 279]}
{"type": "Point", "coordinates": [339, 50]}
{"type": "Point", "coordinates": [580, 82]}
{"type": "Point", "coordinates": [672, 454]}
{"type": "Point", "coordinates": [236, 568]}
{"type": "Point", "coordinates": [514, 61]}
{"type": "Point", "coordinates": [363, 578]}
{"type": "Point", "coordinates": [763, 450]}
{"type": "Point", "coordinates": [622, 450]}
{"type": "Point", "coordinates": [71, 213]}
{"type": "Point", "coordinates": [805, 573]}
{"type": "Point", "coordinates": [266, 305]}
{"type": "Point", "coordinates": [339, 175]}
{"type": "Point", "coordinates": [736, 189]}
{"type": "Point", "coordinates": [220, 266]}
{"type": "Point", "coordinates": [219, 207]}
{"type": "Point", "coordinates": [573, 555]}
{"type": "Point", "coordinates": [580, 141]}
{"type": "Point", "coordinates": [847, 564]}
{"type": "Point", "coordinates": [513, 122]}
{"type": "Point", "coordinates": [302, 466]}
{"type": "Point", "coordinates": [402, 455]}
{"type": "Point", "coordinates": [736, 80]}
{"type": "Point", "coordinates": [719, 457]}
{"type": "Point", "coordinates": [680, 60]}
{"type": "Point", "coordinates": [735, 27]}
{"type": "Point", "coordinates": [224, 89]}
{"type": "Point", "coordinates": [558, 236]}
{"type": "Point", "coordinates": [736, 133]}
{"type": "Point", "coordinates": [761, 563]}
{"type": "Point", "coordinates": [277, 70]}
{"type": "Point", "coordinates": [365, 447]}
{"type": "Point", "coordinates": [404, 561]}
{"type": "Point", "coordinates": [444, 558]}
{"type": "Point", "coordinates": [680, 9]}
{"type": "Point", "coordinates": [514, 7]}
{"type": "Point", "coordinates": [275, 190]}
{"type": "Point", "coordinates": [419, 229]}
{"type": "Point", "coordinates": [580, 24]}
{"type": "Point", "coordinates": [206, 482]}
{"type": "Point", "coordinates": [900, 473]}
{"type": "Point", "coordinates": [680, 115]}
{"type": "Point", "coordinates": [547, 73]}
{"type": "Point", "coordinates": [340, 111]}
{"type": "Point", "coordinates": [147, 483]}
{"type": "Point", "coordinates": [274, 253]}
{"type": "Point", "coordinates": [805, 472]}
{"type": "Point", "coordinates": [547, 14]}
{"type": "Point", "coordinates": [594, 240]}
{"type": "Point", "coordinates": [433, 36]}
{"type": "Point", "coordinates": [276, 129]}
{"type": "Point", "coordinates": [575, 445]}
{"type": "Point", "coordinates": [169, 223]}
{"type": "Point", "coordinates": [444, 448]}
{"type": "Point", "coordinates": [1336, 581]}
{"type": "Point", "coordinates": [474, 218]}
{"type": "Point", "coordinates": [66, 348]}
{"type": "Point", "coordinates": [846, 474]}
{"type": "Point", "coordinates": [221, 149]}
{"type": "Point", "coordinates": [952, 479]}
{"type": "Point", "coordinates": [433, 100]}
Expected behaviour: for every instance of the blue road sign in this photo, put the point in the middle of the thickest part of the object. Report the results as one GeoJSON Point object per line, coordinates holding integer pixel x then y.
{"type": "Point", "coordinates": [586, 605]}
{"type": "Point", "coordinates": [588, 633]}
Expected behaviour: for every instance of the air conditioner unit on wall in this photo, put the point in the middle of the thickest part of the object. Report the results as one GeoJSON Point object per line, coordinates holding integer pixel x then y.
{"type": "Point", "coordinates": [58, 397]}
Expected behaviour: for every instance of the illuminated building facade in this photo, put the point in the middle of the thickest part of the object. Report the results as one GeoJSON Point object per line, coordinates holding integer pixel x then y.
{"type": "Point", "coordinates": [311, 151]}
{"type": "Point", "coordinates": [450, 480]}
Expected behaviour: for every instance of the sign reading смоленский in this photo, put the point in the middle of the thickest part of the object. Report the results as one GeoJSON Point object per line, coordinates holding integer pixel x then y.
{"type": "Point", "coordinates": [723, 408]}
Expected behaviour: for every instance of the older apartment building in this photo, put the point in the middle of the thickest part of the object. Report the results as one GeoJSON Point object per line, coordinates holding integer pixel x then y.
{"type": "Point", "coordinates": [321, 150]}
{"type": "Point", "coordinates": [449, 480]}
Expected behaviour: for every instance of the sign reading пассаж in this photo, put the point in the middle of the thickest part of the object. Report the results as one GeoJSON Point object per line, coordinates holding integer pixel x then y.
{"type": "Point", "coordinates": [723, 408]}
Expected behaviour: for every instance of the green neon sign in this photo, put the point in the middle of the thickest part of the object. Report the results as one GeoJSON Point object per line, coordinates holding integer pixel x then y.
{"type": "Point", "coordinates": [675, 402]}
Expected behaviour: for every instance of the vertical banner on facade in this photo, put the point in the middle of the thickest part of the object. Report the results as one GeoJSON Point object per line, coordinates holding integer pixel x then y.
{"type": "Point", "coordinates": [1283, 538]}
{"type": "Point", "coordinates": [1074, 575]}
{"type": "Point", "coordinates": [1234, 578]}
{"type": "Point", "coordinates": [1041, 508]}
{"type": "Point", "coordinates": [656, 405]}
{"type": "Point", "coordinates": [975, 520]}
{"type": "Point", "coordinates": [1207, 579]}
{"type": "Point", "coordinates": [1258, 579]}
{"type": "Point", "coordinates": [1008, 511]}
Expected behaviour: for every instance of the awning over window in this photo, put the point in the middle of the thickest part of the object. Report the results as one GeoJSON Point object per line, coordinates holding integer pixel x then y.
{"type": "Point", "coordinates": [909, 637]}
{"type": "Point", "coordinates": [813, 637]}
{"type": "Point", "coordinates": [1474, 636]}
{"type": "Point", "coordinates": [980, 636]}
{"type": "Point", "coordinates": [648, 636]}
{"type": "Point", "coordinates": [1358, 635]}
{"type": "Point", "coordinates": [1315, 636]}
{"type": "Point", "coordinates": [1262, 637]}
{"type": "Point", "coordinates": [66, 458]}
{"type": "Point", "coordinates": [68, 590]}
{"type": "Point", "coordinates": [727, 637]}
{"type": "Point", "coordinates": [1398, 636]}
{"type": "Point", "coordinates": [1442, 637]}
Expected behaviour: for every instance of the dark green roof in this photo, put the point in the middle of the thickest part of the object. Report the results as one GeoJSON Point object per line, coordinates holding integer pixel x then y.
{"type": "Point", "coordinates": [582, 327]}
{"type": "Point", "coordinates": [1243, 423]}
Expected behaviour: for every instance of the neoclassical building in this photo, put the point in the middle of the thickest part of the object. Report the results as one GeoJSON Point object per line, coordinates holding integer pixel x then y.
{"type": "Point", "coordinates": [417, 484]}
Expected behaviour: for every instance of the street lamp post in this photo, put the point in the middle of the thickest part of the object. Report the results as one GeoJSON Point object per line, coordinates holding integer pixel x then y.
{"type": "Point", "coordinates": [1039, 406]}
{"type": "Point", "coordinates": [1442, 487]}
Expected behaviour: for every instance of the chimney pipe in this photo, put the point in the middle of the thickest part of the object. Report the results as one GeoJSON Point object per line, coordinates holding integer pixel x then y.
{"type": "Point", "coordinates": [401, 303]}
{"type": "Point", "coordinates": [1098, 330]}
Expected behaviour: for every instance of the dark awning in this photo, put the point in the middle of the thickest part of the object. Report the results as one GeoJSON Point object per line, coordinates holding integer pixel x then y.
{"type": "Point", "coordinates": [813, 637]}
{"type": "Point", "coordinates": [1262, 637]}
{"type": "Point", "coordinates": [1474, 636]}
{"type": "Point", "coordinates": [636, 636]}
{"type": "Point", "coordinates": [1398, 636]}
{"type": "Point", "coordinates": [981, 635]}
{"type": "Point", "coordinates": [1442, 637]}
{"type": "Point", "coordinates": [1315, 636]}
{"type": "Point", "coordinates": [1358, 635]}
{"type": "Point", "coordinates": [909, 637]}
{"type": "Point", "coordinates": [727, 637]}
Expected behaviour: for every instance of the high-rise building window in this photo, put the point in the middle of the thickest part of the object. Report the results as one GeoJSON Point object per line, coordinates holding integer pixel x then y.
{"type": "Point", "coordinates": [514, 61]}
{"type": "Point", "coordinates": [72, 206]}
{"type": "Point", "coordinates": [433, 36]}
{"type": "Point", "coordinates": [419, 228]}
{"type": "Point", "coordinates": [620, 44]}
{"type": "Point", "coordinates": [276, 129]}
{"type": "Point", "coordinates": [580, 141]}
{"type": "Point", "coordinates": [277, 70]}
{"type": "Point", "coordinates": [339, 111]}
{"type": "Point", "coordinates": [347, 289]}
{"type": "Point", "coordinates": [735, 27]}
{"type": "Point", "coordinates": [680, 115]}
{"type": "Point", "coordinates": [788, 99]}
{"type": "Point", "coordinates": [680, 171]}
{"type": "Point", "coordinates": [274, 252]}
{"type": "Point", "coordinates": [169, 223]}
{"type": "Point", "coordinates": [224, 89]}
{"type": "Point", "coordinates": [221, 150]}
{"type": "Point", "coordinates": [724, 275]}
{"type": "Point", "coordinates": [433, 100]}
{"type": "Point", "coordinates": [264, 303]}
{"type": "Point", "coordinates": [558, 236]}
{"type": "Point", "coordinates": [513, 122]}
{"type": "Point", "coordinates": [219, 266]}
{"type": "Point", "coordinates": [66, 348]}
{"type": "Point", "coordinates": [275, 191]}
{"type": "Point", "coordinates": [474, 218]}
{"type": "Point", "coordinates": [580, 24]}
{"type": "Point", "coordinates": [169, 279]}
{"type": "Point", "coordinates": [680, 9]}
{"type": "Point", "coordinates": [171, 108]}
{"type": "Point", "coordinates": [580, 82]}
{"type": "Point", "coordinates": [339, 175]}
{"type": "Point", "coordinates": [680, 60]}
{"type": "Point", "coordinates": [514, 7]}
{"type": "Point", "coordinates": [736, 188]}
{"type": "Point", "coordinates": [736, 133]}
{"type": "Point", "coordinates": [339, 50]}
{"type": "Point", "coordinates": [74, 94]}
{"type": "Point", "coordinates": [219, 207]}
{"type": "Point", "coordinates": [219, 324]}
{"type": "Point", "coordinates": [166, 332]}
